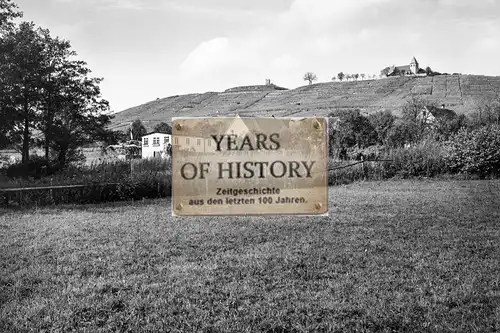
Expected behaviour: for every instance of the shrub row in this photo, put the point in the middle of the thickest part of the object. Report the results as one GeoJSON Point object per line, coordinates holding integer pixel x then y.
{"type": "Point", "coordinates": [475, 152]}
{"type": "Point", "coordinates": [135, 187]}
{"type": "Point", "coordinates": [426, 159]}
{"type": "Point", "coordinates": [16, 175]}
{"type": "Point", "coordinates": [470, 153]}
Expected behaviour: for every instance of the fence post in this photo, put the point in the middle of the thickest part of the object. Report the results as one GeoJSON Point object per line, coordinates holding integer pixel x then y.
{"type": "Point", "coordinates": [51, 194]}
{"type": "Point", "coordinates": [6, 198]}
{"type": "Point", "coordinates": [364, 167]}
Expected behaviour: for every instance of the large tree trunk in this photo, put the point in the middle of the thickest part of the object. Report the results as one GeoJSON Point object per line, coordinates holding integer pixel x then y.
{"type": "Point", "coordinates": [26, 135]}
{"type": "Point", "coordinates": [63, 150]}
{"type": "Point", "coordinates": [47, 147]}
{"type": "Point", "coordinates": [48, 128]}
{"type": "Point", "coordinates": [61, 158]}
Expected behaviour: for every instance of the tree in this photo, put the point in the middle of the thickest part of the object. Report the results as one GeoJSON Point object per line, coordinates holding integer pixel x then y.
{"type": "Point", "coordinates": [446, 128]}
{"type": "Point", "coordinates": [428, 70]}
{"type": "Point", "coordinates": [43, 89]}
{"type": "Point", "coordinates": [401, 133]}
{"type": "Point", "coordinates": [341, 76]}
{"type": "Point", "coordinates": [78, 116]}
{"type": "Point", "coordinates": [382, 122]}
{"type": "Point", "coordinates": [413, 106]}
{"type": "Point", "coordinates": [8, 12]}
{"type": "Point", "coordinates": [363, 76]}
{"type": "Point", "coordinates": [138, 130]}
{"type": "Point", "coordinates": [310, 77]}
{"type": "Point", "coordinates": [115, 137]}
{"type": "Point", "coordinates": [385, 72]}
{"type": "Point", "coordinates": [163, 127]}
{"type": "Point", "coordinates": [58, 73]}
{"type": "Point", "coordinates": [415, 112]}
{"type": "Point", "coordinates": [353, 129]}
{"type": "Point", "coordinates": [475, 151]}
{"type": "Point", "coordinates": [332, 134]}
{"type": "Point", "coordinates": [356, 76]}
{"type": "Point", "coordinates": [72, 130]}
{"type": "Point", "coordinates": [486, 111]}
{"type": "Point", "coordinates": [21, 54]}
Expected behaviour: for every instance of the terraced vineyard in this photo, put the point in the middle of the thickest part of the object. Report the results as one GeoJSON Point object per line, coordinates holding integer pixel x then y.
{"type": "Point", "coordinates": [457, 92]}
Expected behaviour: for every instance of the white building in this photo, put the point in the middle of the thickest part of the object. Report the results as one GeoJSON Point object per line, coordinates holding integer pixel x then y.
{"type": "Point", "coordinates": [155, 144]}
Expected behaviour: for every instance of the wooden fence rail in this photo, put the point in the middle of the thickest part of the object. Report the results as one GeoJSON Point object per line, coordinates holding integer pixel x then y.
{"type": "Point", "coordinates": [20, 189]}
{"type": "Point", "coordinates": [6, 194]}
{"type": "Point", "coordinates": [359, 162]}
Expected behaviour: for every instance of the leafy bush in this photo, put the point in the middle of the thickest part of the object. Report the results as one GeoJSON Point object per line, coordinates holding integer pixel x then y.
{"type": "Point", "coordinates": [92, 193]}
{"type": "Point", "coordinates": [368, 153]}
{"type": "Point", "coordinates": [145, 185]}
{"type": "Point", "coordinates": [476, 151]}
{"type": "Point", "coordinates": [101, 182]}
{"type": "Point", "coordinates": [6, 161]}
{"type": "Point", "coordinates": [101, 172]}
{"type": "Point", "coordinates": [152, 164]}
{"type": "Point", "coordinates": [401, 133]}
{"type": "Point", "coordinates": [36, 167]}
{"type": "Point", "coordinates": [345, 173]}
{"type": "Point", "coordinates": [425, 159]}
{"type": "Point", "coordinates": [132, 187]}
{"type": "Point", "coordinates": [353, 129]}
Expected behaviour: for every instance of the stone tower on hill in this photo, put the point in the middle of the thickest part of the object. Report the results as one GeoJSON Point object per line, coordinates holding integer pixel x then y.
{"type": "Point", "coordinates": [414, 66]}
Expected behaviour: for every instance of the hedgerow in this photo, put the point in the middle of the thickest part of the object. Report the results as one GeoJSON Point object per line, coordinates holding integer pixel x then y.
{"type": "Point", "coordinates": [471, 152]}
{"type": "Point", "coordinates": [102, 182]}
{"type": "Point", "coordinates": [475, 151]}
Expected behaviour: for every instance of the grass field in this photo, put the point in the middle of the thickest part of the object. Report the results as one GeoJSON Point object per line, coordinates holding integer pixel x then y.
{"type": "Point", "coordinates": [412, 256]}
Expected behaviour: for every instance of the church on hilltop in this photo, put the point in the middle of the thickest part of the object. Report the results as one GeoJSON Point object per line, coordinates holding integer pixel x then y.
{"type": "Point", "coordinates": [412, 69]}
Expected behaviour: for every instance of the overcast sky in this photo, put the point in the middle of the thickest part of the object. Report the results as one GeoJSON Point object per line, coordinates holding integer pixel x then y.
{"type": "Point", "coordinates": [146, 49]}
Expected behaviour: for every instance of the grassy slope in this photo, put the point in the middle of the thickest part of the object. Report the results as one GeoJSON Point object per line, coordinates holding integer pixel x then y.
{"type": "Point", "coordinates": [457, 92]}
{"type": "Point", "coordinates": [393, 256]}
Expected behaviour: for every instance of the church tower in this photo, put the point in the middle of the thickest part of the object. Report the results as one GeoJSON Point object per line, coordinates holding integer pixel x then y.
{"type": "Point", "coordinates": [414, 66]}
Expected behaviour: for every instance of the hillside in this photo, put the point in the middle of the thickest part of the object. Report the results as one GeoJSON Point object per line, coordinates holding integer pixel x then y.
{"type": "Point", "coordinates": [457, 92]}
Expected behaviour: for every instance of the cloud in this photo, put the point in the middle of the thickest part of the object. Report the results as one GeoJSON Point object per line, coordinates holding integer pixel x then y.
{"type": "Point", "coordinates": [206, 56]}
{"type": "Point", "coordinates": [116, 4]}
{"type": "Point", "coordinates": [308, 30]}
{"type": "Point", "coordinates": [211, 9]}
{"type": "Point", "coordinates": [285, 61]}
{"type": "Point", "coordinates": [329, 36]}
{"type": "Point", "coordinates": [231, 6]}
{"type": "Point", "coordinates": [222, 62]}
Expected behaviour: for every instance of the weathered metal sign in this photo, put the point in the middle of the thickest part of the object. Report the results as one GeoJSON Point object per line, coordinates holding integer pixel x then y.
{"type": "Point", "coordinates": [249, 166]}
